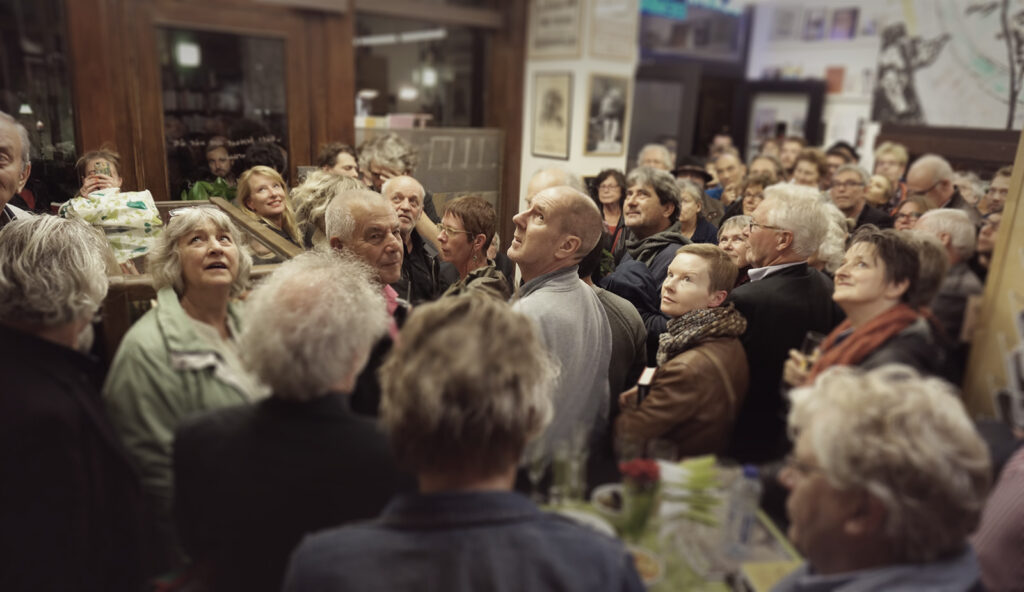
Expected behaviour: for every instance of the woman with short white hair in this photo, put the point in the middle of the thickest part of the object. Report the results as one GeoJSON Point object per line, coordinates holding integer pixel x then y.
{"type": "Point", "coordinates": [887, 480]}
{"type": "Point", "coordinates": [182, 356]}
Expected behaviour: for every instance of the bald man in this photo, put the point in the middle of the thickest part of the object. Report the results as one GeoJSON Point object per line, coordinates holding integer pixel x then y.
{"type": "Point", "coordinates": [424, 277]}
{"type": "Point", "coordinates": [559, 226]}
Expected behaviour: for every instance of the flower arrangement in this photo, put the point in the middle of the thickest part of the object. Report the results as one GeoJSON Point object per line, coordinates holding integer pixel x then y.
{"type": "Point", "coordinates": [640, 478]}
{"type": "Point", "coordinates": [640, 471]}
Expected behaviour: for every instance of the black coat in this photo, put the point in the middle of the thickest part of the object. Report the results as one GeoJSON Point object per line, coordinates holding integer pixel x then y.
{"type": "Point", "coordinates": [780, 309]}
{"type": "Point", "coordinates": [251, 481]}
{"type": "Point", "coordinates": [70, 502]}
{"type": "Point", "coordinates": [872, 215]}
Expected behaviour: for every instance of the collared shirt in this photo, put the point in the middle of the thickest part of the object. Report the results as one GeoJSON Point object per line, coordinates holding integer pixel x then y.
{"type": "Point", "coordinates": [759, 273]}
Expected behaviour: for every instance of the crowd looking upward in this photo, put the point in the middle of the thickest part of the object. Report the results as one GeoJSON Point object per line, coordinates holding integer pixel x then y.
{"type": "Point", "coordinates": [393, 384]}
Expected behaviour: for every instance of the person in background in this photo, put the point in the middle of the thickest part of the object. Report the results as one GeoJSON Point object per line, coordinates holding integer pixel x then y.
{"type": "Point", "coordinates": [770, 147]}
{"type": "Point", "coordinates": [997, 540]}
{"type": "Point", "coordinates": [218, 160]}
{"type": "Point", "coordinates": [998, 190]}
{"type": "Point", "coordinates": [610, 187]}
{"type": "Point", "coordinates": [182, 357]}
{"type": "Point", "coordinates": [836, 156]}
{"type": "Point", "coordinates": [792, 146]}
{"type": "Point", "coordinates": [970, 187]}
{"type": "Point", "coordinates": [910, 211]}
{"type": "Point", "coordinates": [874, 286]}
{"type": "Point", "coordinates": [730, 170]}
{"type": "Point", "coordinates": [849, 194]}
{"type": "Point", "coordinates": [98, 169]}
{"type": "Point", "coordinates": [15, 166]}
{"type": "Point", "coordinates": [655, 156]}
{"type": "Point", "coordinates": [423, 277]}
{"type": "Point", "coordinates": [891, 162]}
{"type": "Point", "coordinates": [721, 142]}
{"type": "Point", "coordinates": [932, 177]}
{"type": "Point", "coordinates": [767, 165]}
{"type": "Point", "coordinates": [466, 231]}
{"type": "Point", "coordinates": [463, 433]}
{"type": "Point", "coordinates": [751, 195]}
{"type": "Point", "coordinates": [299, 452]}
{"type": "Point", "coordinates": [702, 370]}
{"type": "Point", "coordinates": [880, 191]}
{"type": "Point", "coordinates": [692, 224]}
{"type": "Point", "coordinates": [389, 155]}
{"type": "Point", "coordinates": [784, 299]}
{"type": "Point", "coordinates": [732, 237]}
{"type": "Point", "coordinates": [693, 169]}
{"type": "Point", "coordinates": [264, 194]}
{"type": "Point", "coordinates": [829, 255]}
{"type": "Point", "coordinates": [987, 236]}
{"type": "Point", "coordinates": [338, 158]}
{"type": "Point", "coordinates": [266, 154]}
{"type": "Point", "coordinates": [810, 168]}
{"type": "Point", "coordinates": [70, 501]}
{"type": "Point", "coordinates": [887, 480]}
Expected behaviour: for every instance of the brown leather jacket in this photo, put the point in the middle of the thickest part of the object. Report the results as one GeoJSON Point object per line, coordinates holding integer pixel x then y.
{"type": "Point", "coordinates": [690, 403]}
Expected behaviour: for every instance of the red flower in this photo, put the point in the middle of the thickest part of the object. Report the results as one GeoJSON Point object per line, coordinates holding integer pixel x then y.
{"type": "Point", "coordinates": [640, 470]}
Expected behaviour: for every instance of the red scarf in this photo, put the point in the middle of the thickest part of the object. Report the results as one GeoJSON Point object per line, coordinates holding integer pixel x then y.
{"type": "Point", "coordinates": [863, 341]}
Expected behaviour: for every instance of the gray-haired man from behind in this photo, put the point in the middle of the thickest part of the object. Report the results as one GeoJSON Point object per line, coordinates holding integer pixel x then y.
{"type": "Point", "coordinates": [558, 228]}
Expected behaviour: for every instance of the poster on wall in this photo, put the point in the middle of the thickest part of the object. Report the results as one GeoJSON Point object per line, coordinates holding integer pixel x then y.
{"type": "Point", "coordinates": [552, 114]}
{"type": "Point", "coordinates": [606, 116]}
{"type": "Point", "coordinates": [613, 29]}
{"type": "Point", "coordinates": [935, 56]}
{"type": "Point", "coordinates": [555, 28]}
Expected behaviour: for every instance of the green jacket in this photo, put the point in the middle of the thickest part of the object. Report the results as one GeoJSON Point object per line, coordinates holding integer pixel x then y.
{"type": "Point", "coordinates": [162, 373]}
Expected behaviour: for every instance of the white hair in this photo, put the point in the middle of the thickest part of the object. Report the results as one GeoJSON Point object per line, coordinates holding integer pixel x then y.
{"type": "Point", "coordinates": [907, 441]}
{"type": "Point", "coordinates": [52, 271]}
{"type": "Point", "coordinates": [26, 145]}
{"type": "Point", "coordinates": [797, 208]}
{"type": "Point", "coordinates": [314, 195]}
{"type": "Point", "coordinates": [164, 261]}
{"type": "Point", "coordinates": [938, 167]}
{"type": "Point", "coordinates": [558, 176]}
{"type": "Point", "coordinates": [339, 220]}
{"type": "Point", "coordinates": [865, 178]}
{"type": "Point", "coordinates": [957, 224]}
{"type": "Point", "coordinates": [740, 222]}
{"type": "Point", "coordinates": [312, 323]}
{"type": "Point", "coordinates": [663, 155]}
{"type": "Point", "coordinates": [389, 151]}
{"type": "Point", "coordinates": [833, 245]}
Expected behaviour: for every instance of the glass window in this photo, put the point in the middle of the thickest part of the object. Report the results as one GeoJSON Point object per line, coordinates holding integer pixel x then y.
{"type": "Point", "coordinates": [224, 108]}
{"type": "Point", "coordinates": [35, 89]}
{"type": "Point", "coordinates": [416, 67]}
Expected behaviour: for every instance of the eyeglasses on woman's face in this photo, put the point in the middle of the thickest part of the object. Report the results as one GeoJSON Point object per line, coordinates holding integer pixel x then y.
{"type": "Point", "coordinates": [606, 186]}
{"type": "Point", "coordinates": [451, 230]}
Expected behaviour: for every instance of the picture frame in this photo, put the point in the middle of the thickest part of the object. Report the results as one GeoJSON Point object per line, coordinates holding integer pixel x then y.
{"type": "Point", "coordinates": [552, 115]}
{"type": "Point", "coordinates": [608, 101]}
{"type": "Point", "coordinates": [555, 28]}
{"type": "Point", "coordinates": [613, 29]}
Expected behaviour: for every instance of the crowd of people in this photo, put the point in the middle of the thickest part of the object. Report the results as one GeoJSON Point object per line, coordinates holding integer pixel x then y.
{"type": "Point", "coordinates": [364, 415]}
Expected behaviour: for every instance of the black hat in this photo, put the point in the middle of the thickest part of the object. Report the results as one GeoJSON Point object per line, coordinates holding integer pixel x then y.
{"type": "Point", "coordinates": [692, 165]}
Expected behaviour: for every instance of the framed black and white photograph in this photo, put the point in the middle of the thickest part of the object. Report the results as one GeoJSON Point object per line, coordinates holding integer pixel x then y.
{"type": "Point", "coordinates": [814, 24]}
{"type": "Point", "coordinates": [555, 28]}
{"type": "Point", "coordinates": [606, 116]}
{"type": "Point", "coordinates": [552, 114]}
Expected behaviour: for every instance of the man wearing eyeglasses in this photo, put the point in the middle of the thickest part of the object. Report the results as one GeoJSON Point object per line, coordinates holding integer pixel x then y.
{"type": "Point", "coordinates": [423, 278]}
{"type": "Point", "coordinates": [784, 299]}
{"type": "Point", "coordinates": [849, 193]}
{"type": "Point", "coordinates": [932, 176]}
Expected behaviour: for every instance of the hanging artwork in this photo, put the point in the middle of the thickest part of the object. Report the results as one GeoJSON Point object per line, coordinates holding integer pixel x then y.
{"type": "Point", "coordinates": [552, 114]}
{"type": "Point", "coordinates": [606, 118]}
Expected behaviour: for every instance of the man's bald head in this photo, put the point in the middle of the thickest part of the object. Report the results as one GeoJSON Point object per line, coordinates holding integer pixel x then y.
{"type": "Point", "coordinates": [578, 216]}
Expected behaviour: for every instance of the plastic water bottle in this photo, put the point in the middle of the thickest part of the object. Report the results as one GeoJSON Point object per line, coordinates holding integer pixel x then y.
{"type": "Point", "coordinates": [744, 500]}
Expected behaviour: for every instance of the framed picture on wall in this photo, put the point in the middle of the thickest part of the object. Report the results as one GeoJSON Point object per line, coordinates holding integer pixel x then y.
{"type": "Point", "coordinates": [552, 114]}
{"type": "Point", "coordinates": [613, 29]}
{"type": "Point", "coordinates": [606, 115]}
{"type": "Point", "coordinates": [555, 28]}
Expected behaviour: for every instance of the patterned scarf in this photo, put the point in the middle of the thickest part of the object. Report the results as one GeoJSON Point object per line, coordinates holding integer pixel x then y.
{"type": "Point", "coordinates": [864, 340]}
{"type": "Point", "coordinates": [696, 326]}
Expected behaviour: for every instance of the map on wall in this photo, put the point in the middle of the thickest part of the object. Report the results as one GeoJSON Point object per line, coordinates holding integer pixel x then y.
{"type": "Point", "coordinates": [969, 55]}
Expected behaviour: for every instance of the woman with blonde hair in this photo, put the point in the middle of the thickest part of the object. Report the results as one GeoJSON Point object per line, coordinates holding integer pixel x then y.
{"type": "Point", "coordinates": [264, 194]}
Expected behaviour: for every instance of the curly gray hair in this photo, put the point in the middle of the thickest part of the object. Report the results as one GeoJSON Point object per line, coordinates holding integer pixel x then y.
{"type": "Point", "coordinates": [320, 315]}
{"type": "Point", "coordinates": [339, 221]}
{"type": "Point", "coordinates": [52, 271]}
{"type": "Point", "coordinates": [956, 224]}
{"type": "Point", "coordinates": [457, 400]}
{"type": "Point", "coordinates": [833, 246]}
{"type": "Point", "coordinates": [312, 198]}
{"type": "Point", "coordinates": [908, 442]}
{"type": "Point", "coordinates": [389, 151]}
{"type": "Point", "coordinates": [164, 261]}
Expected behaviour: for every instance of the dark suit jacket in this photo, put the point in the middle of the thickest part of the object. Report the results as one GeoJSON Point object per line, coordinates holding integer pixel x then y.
{"type": "Point", "coordinates": [780, 309]}
{"type": "Point", "coordinates": [251, 481]}
{"type": "Point", "coordinates": [70, 501]}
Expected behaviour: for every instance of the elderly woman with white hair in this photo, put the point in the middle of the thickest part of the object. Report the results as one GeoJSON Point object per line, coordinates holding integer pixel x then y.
{"type": "Point", "coordinates": [459, 408]}
{"type": "Point", "coordinates": [300, 451]}
{"type": "Point", "coordinates": [181, 357]}
{"type": "Point", "coordinates": [887, 480]}
{"type": "Point", "coordinates": [71, 498]}
{"type": "Point", "coordinates": [732, 237]}
{"type": "Point", "coordinates": [692, 223]}
{"type": "Point", "coordinates": [310, 200]}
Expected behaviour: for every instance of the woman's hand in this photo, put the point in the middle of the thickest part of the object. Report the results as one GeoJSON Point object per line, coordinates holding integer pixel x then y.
{"type": "Point", "coordinates": [96, 182]}
{"type": "Point", "coordinates": [628, 399]}
{"type": "Point", "coordinates": [797, 367]}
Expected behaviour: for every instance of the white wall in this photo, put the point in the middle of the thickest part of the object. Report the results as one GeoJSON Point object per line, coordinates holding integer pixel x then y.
{"type": "Point", "coordinates": [581, 68]}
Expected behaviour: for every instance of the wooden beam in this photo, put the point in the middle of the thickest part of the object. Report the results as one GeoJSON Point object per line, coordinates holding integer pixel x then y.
{"type": "Point", "coordinates": [447, 14]}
